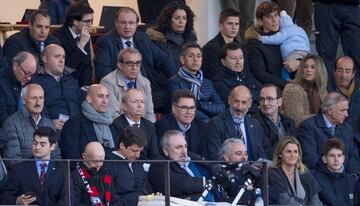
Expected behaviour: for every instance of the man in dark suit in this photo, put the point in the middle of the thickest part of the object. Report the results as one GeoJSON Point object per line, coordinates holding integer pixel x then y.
{"type": "Point", "coordinates": [39, 182]}
{"type": "Point", "coordinates": [275, 124]}
{"type": "Point", "coordinates": [183, 118]}
{"type": "Point", "coordinates": [75, 39]}
{"type": "Point", "coordinates": [156, 65]}
{"type": "Point", "coordinates": [133, 106]}
{"type": "Point", "coordinates": [330, 122]}
{"type": "Point", "coordinates": [130, 180]}
{"type": "Point", "coordinates": [187, 179]}
{"type": "Point", "coordinates": [32, 39]}
{"type": "Point", "coordinates": [229, 25]}
{"type": "Point", "coordinates": [235, 123]}
{"type": "Point", "coordinates": [92, 124]}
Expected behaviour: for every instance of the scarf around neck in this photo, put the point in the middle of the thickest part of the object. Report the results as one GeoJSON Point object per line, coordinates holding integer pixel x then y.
{"type": "Point", "coordinates": [101, 122]}
{"type": "Point", "coordinates": [345, 91]}
{"type": "Point", "coordinates": [195, 80]}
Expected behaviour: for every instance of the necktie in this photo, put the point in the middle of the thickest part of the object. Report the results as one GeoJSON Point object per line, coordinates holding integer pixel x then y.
{"type": "Point", "coordinates": [128, 44]}
{"type": "Point", "coordinates": [239, 133]}
{"type": "Point", "coordinates": [136, 125]}
{"type": "Point", "coordinates": [42, 174]}
{"type": "Point", "coordinates": [332, 130]}
{"type": "Point", "coordinates": [41, 46]}
{"type": "Point", "coordinates": [77, 39]}
{"type": "Point", "coordinates": [131, 85]}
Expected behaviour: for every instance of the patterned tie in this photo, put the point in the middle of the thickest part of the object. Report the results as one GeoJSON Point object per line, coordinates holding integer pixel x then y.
{"type": "Point", "coordinates": [332, 130]}
{"type": "Point", "coordinates": [131, 85]}
{"type": "Point", "coordinates": [136, 125]}
{"type": "Point", "coordinates": [128, 44]}
{"type": "Point", "coordinates": [43, 166]}
{"type": "Point", "coordinates": [239, 133]}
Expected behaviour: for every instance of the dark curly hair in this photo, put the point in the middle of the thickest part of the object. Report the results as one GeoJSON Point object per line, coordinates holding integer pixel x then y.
{"type": "Point", "coordinates": [164, 18]}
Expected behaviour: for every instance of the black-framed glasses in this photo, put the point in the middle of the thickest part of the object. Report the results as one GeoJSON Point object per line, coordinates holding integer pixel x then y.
{"type": "Point", "coordinates": [87, 21]}
{"type": "Point", "coordinates": [269, 99]}
{"type": "Point", "coordinates": [184, 108]}
{"type": "Point", "coordinates": [27, 74]}
{"type": "Point", "coordinates": [131, 63]}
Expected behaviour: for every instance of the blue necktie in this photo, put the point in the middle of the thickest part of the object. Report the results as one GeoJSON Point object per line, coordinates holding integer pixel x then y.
{"type": "Point", "coordinates": [131, 85]}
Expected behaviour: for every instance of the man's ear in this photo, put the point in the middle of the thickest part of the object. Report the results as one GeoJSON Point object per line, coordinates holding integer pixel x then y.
{"type": "Point", "coordinates": [88, 98]}
{"type": "Point", "coordinates": [223, 62]}
{"type": "Point", "coordinates": [165, 152]}
{"type": "Point", "coordinates": [323, 158]}
{"type": "Point", "coordinates": [53, 146]}
{"type": "Point", "coordinates": [44, 58]}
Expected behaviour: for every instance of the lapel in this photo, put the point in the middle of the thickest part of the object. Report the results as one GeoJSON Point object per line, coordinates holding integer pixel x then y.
{"type": "Point", "coordinates": [124, 122]}
{"type": "Point", "coordinates": [51, 170]}
{"type": "Point", "coordinates": [69, 37]}
{"type": "Point", "coordinates": [229, 125]}
{"type": "Point", "coordinates": [33, 176]}
{"type": "Point", "coordinates": [120, 80]}
{"type": "Point", "coordinates": [321, 124]}
{"type": "Point", "coordinates": [249, 129]}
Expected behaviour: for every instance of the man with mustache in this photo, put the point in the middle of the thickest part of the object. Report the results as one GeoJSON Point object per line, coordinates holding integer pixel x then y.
{"type": "Point", "coordinates": [328, 123]}
{"type": "Point", "coordinates": [235, 123]}
{"type": "Point", "coordinates": [127, 76]}
{"type": "Point", "coordinates": [20, 126]}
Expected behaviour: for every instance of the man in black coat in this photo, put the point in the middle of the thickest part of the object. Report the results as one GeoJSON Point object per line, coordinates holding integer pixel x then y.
{"type": "Point", "coordinates": [229, 25]}
{"type": "Point", "coordinates": [92, 124]}
{"type": "Point", "coordinates": [314, 131]}
{"type": "Point", "coordinates": [32, 39]}
{"type": "Point", "coordinates": [133, 106]}
{"type": "Point", "coordinates": [12, 81]}
{"type": "Point", "coordinates": [39, 182]}
{"type": "Point", "coordinates": [156, 65]}
{"type": "Point", "coordinates": [275, 124]}
{"type": "Point", "coordinates": [234, 123]}
{"type": "Point", "coordinates": [75, 39]}
{"type": "Point", "coordinates": [183, 118]}
{"type": "Point", "coordinates": [130, 180]}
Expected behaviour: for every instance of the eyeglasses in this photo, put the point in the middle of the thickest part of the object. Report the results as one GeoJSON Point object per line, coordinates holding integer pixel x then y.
{"type": "Point", "coordinates": [87, 21]}
{"type": "Point", "coordinates": [27, 74]}
{"type": "Point", "coordinates": [269, 99]}
{"type": "Point", "coordinates": [131, 63]}
{"type": "Point", "coordinates": [124, 23]}
{"type": "Point", "coordinates": [186, 108]}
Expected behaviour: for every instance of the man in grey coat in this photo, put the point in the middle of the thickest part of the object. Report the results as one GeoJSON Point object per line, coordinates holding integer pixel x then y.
{"type": "Point", "coordinates": [20, 126]}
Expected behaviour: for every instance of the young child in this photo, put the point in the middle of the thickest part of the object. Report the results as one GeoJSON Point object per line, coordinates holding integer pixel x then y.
{"type": "Point", "coordinates": [294, 43]}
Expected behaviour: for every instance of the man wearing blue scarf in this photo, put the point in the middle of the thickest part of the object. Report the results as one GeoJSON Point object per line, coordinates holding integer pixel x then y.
{"type": "Point", "coordinates": [209, 103]}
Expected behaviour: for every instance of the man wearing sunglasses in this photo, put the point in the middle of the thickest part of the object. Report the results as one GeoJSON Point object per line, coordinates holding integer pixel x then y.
{"type": "Point", "coordinates": [12, 82]}
{"type": "Point", "coordinates": [127, 76]}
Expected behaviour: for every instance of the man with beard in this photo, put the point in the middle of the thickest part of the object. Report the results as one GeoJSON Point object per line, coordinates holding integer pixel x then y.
{"type": "Point", "coordinates": [20, 126]}
{"type": "Point", "coordinates": [235, 123]}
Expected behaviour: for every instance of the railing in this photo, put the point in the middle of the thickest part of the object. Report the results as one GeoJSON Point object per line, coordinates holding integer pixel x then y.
{"type": "Point", "coordinates": [69, 163]}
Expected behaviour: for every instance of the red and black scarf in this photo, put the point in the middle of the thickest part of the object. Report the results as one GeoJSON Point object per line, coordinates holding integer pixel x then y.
{"type": "Point", "coordinates": [95, 197]}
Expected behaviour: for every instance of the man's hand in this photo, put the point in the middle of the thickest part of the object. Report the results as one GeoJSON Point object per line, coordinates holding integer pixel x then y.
{"type": "Point", "coordinates": [291, 65]}
{"type": "Point", "coordinates": [25, 199]}
{"type": "Point", "coordinates": [59, 123]}
{"type": "Point", "coordinates": [84, 38]}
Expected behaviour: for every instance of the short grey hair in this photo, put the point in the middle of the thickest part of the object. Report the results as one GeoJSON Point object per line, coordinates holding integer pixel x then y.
{"type": "Point", "coordinates": [331, 100]}
{"type": "Point", "coordinates": [129, 50]}
{"type": "Point", "coordinates": [125, 96]}
{"type": "Point", "coordinates": [22, 57]}
{"type": "Point", "coordinates": [164, 141]}
{"type": "Point", "coordinates": [25, 90]}
{"type": "Point", "coordinates": [225, 147]}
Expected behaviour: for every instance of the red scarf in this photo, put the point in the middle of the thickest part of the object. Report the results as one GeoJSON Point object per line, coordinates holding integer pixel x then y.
{"type": "Point", "coordinates": [91, 189]}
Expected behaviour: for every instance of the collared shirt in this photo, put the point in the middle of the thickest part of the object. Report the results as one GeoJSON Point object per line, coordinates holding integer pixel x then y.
{"type": "Point", "coordinates": [125, 40]}
{"type": "Point", "coordinates": [120, 155]}
{"type": "Point", "coordinates": [131, 123]}
{"type": "Point", "coordinates": [38, 167]}
{"type": "Point", "coordinates": [185, 166]}
{"type": "Point", "coordinates": [183, 128]}
{"type": "Point", "coordinates": [76, 36]}
{"type": "Point", "coordinates": [242, 125]}
{"type": "Point", "coordinates": [327, 122]}
{"type": "Point", "coordinates": [127, 81]}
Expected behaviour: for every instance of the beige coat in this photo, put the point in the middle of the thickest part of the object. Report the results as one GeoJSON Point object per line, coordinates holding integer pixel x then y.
{"type": "Point", "coordinates": [295, 103]}
{"type": "Point", "coordinates": [115, 84]}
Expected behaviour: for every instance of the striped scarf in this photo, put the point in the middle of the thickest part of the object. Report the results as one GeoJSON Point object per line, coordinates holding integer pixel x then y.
{"type": "Point", "coordinates": [195, 80]}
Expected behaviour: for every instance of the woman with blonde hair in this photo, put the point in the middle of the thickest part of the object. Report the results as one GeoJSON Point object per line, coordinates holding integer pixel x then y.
{"type": "Point", "coordinates": [303, 96]}
{"type": "Point", "coordinates": [290, 182]}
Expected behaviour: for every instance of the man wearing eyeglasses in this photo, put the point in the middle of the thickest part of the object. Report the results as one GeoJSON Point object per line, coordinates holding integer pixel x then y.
{"type": "Point", "coordinates": [75, 39]}
{"type": "Point", "coordinates": [32, 39]}
{"type": "Point", "coordinates": [12, 81]}
{"type": "Point", "coordinates": [275, 124]}
{"type": "Point", "coordinates": [183, 118]}
{"type": "Point", "coordinates": [127, 76]}
{"type": "Point", "coordinates": [156, 64]}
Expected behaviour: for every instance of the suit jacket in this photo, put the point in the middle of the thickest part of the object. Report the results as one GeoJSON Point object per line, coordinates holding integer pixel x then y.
{"type": "Point", "coordinates": [76, 133]}
{"type": "Point", "coordinates": [271, 131]}
{"type": "Point", "coordinates": [211, 64]}
{"type": "Point", "coordinates": [193, 136]}
{"type": "Point", "coordinates": [128, 185]}
{"type": "Point", "coordinates": [312, 135]}
{"type": "Point", "coordinates": [75, 57]}
{"type": "Point", "coordinates": [22, 41]}
{"type": "Point", "coordinates": [151, 150]}
{"type": "Point", "coordinates": [115, 84]}
{"type": "Point", "coordinates": [222, 127]}
{"type": "Point", "coordinates": [24, 177]}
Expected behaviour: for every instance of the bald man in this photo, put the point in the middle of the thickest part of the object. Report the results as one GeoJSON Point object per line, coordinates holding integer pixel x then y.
{"type": "Point", "coordinates": [92, 174]}
{"type": "Point", "coordinates": [92, 124]}
{"type": "Point", "coordinates": [20, 126]}
{"type": "Point", "coordinates": [62, 93]}
{"type": "Point", "coordinates": [22, 70]}
{"type": "Point", "coordinates": [234, 123]}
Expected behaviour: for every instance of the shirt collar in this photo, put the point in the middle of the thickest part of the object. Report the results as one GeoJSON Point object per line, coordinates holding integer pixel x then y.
{"type": "Point", "coordinates": [183, 128]}
{"type": "Point", "coordinates": [132, 122]}
{"type": "Point", "coordinates": [125, 40]}
{"type": "Point", "coordinates": [235, 118]}
{"type": "Point", "coordinates": [327, 122]}
{"type": "Point", "coordinates": [73, 34]}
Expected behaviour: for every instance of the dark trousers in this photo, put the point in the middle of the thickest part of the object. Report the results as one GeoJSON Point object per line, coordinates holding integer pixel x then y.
{"type": "Point", "coordinates": [334, 22]}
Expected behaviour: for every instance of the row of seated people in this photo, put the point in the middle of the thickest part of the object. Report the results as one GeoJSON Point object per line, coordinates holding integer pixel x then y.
{"type": "Point", "coordinates": [42, 181]}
